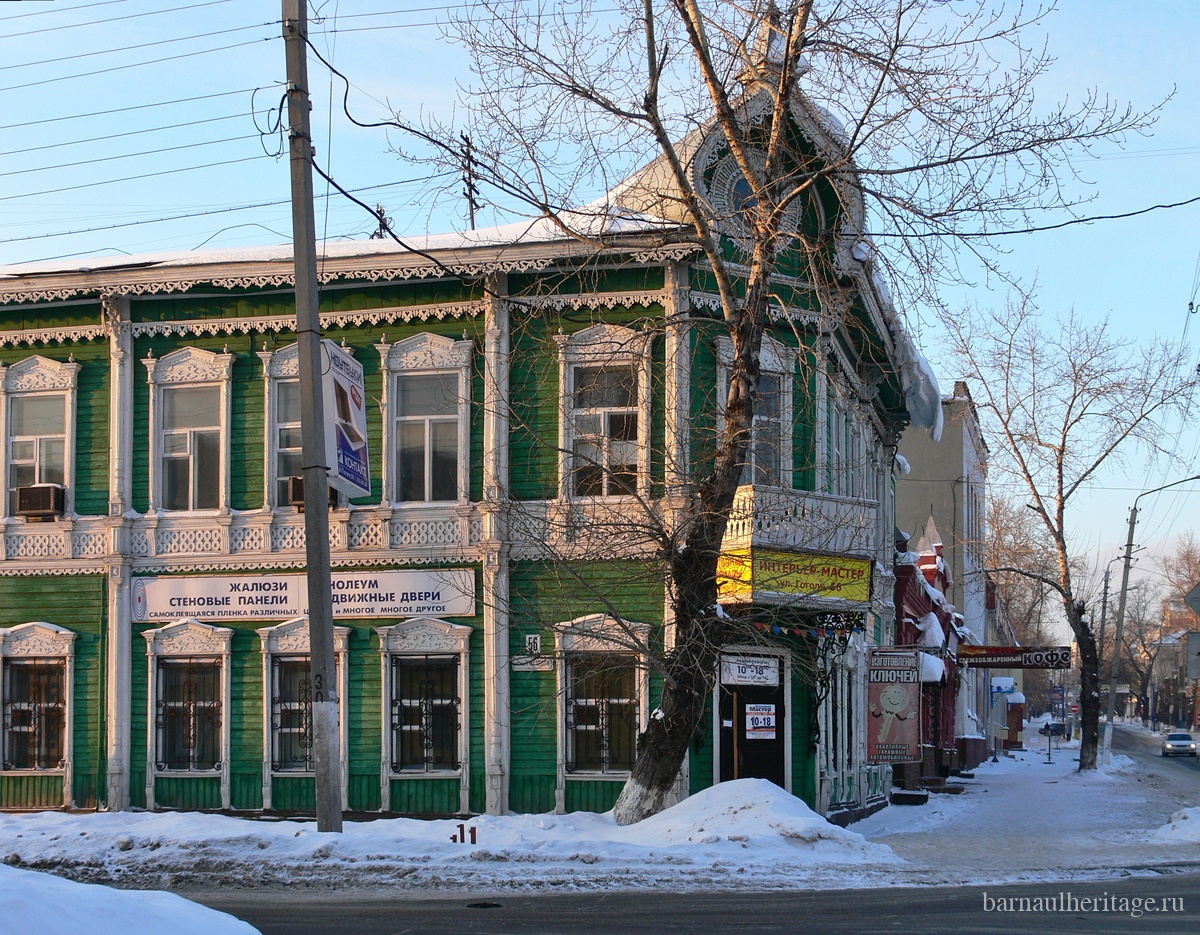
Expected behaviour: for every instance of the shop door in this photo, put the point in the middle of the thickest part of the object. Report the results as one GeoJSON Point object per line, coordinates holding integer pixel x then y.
{"type": "Point", "coordinates": [752, 732]}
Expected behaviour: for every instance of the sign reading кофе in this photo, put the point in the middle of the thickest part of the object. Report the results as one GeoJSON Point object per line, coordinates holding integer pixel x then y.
{"type": "Point", "coordinates": [448, 592]}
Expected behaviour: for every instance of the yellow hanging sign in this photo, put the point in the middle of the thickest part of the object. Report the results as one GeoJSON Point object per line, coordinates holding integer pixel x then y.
{"type": "Point", "coordinates": [743, 572]}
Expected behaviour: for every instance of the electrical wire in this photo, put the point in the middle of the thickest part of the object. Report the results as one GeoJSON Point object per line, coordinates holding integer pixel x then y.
{"type": "Point", "coordinates": [70, 9]}
{"type": "Point", "coordinates": [132, 178]}
{"type": "Point", "coordinates": [137, 48]}
{"type": "Point", "coordinates": [210, 211]}
{"type": "Point", "coordinates": [123, 110]}
{"type": "Point", "coordinates": [113, 19]}
{"type": "Point", "coordinates": [151, 152]}
{"type": "Point", "coordinates": [155, 61]}
{"type": "Point", "coordinates": [118, 136]}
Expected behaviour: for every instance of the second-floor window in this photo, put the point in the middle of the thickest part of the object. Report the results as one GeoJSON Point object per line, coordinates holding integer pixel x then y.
{"type": "Point", "coordinates": [37, 442]}
{"type": "Point", "coordinates": [191, 448]}
{"type": "Point", "coordinates": [427, 436]}
{"type": "Point", "coordinates": [768, 460]}
{"type": "Point", "coordinates": [288, 456]}
{"type": "Point", "coordinates": [604, 415]}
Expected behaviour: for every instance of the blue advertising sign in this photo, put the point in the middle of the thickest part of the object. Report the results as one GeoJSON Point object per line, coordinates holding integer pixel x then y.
{"type": "Point", "coordinates": [346, 423]}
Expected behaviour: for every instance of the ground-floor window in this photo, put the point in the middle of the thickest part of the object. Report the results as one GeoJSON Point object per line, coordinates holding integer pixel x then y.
{"type": "Point", "coordinates": [291, 714]}
{"type": "Point", "coordinates": [601, 712]}
{"type": "Point", "coordinates": [34, 713]}
{"type": "Point", "coordinates": [188, 721]}
{"type": "Point", "coordinates": [426, 713]}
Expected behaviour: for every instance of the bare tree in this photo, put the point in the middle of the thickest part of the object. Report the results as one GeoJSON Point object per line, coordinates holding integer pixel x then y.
{"type": "Point", "coordinates": [938, 143]}
{"type": "Point", "coordinates": [1142, 640]}
{"type": "Point", "coordinates": [1066, 398]}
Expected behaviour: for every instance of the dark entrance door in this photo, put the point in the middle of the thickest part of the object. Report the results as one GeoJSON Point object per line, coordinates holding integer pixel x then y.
{"type": "Point", "coordinates": [752, 727]}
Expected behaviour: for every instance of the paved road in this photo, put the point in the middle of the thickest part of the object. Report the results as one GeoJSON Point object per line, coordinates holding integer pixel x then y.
{"type": "Point", "coordinates": [1177, 775]}
{"type": "Point", "coordinates": [935, 910]}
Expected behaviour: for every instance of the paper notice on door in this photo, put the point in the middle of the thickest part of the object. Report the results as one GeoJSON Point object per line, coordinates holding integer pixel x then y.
{"type": "Point", "coordinates": [760, 722]}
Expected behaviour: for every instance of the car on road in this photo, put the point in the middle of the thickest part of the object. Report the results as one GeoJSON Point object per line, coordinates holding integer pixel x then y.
{"type": "Point", "coordinates": [1179, 745]}
{"type": "Point", "coordinates": [1053, 729]}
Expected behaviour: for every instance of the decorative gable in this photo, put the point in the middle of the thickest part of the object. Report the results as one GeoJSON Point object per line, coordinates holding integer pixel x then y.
{"type": "Point", "coordinates": [39, 373]}
{"type": "Point", "coordinates": [424, 635]}
{"type": "Point", "coordinates": [190, 365]}
{"type": "Point", "coordinates": [426, 352]}
{"type": "Point", "coordinates": [36, 639]}
{"type": "Point", "coordinates": [188, 637]}
{"type": "Point", "coordinates": [292, 637]}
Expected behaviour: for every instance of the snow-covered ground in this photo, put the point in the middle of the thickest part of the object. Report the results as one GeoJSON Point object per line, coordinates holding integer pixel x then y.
{"type": "Point", "coordinates": [40, 904]}
{"type": "Point", "coordinates": [1019, 819]}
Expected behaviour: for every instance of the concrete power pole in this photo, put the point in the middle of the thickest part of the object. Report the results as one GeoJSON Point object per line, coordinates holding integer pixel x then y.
{"type": "Point", "coordinates": [326, 743]}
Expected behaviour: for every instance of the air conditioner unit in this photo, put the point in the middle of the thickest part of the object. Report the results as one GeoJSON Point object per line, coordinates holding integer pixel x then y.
{"type": "Point", "coordinates": [41, 502]}
{"type": "Point", "coordinates": [295, 493]}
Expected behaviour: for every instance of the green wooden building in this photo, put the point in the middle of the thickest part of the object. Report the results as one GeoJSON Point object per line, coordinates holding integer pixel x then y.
{"type": "Point", "coordinates": [494, 598]}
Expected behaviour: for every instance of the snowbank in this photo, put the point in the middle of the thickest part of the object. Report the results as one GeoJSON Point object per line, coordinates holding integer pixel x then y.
{"type": "Point", "coordinates": [1183, 828]}
{"type": "Point", "coordinates": [723, 837]}
{"type": "Point", "coordinates": [40, 904]}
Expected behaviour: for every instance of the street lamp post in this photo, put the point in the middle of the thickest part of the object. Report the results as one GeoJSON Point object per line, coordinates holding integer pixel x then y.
{"type": "Point", "coordinates": [1116, 663]}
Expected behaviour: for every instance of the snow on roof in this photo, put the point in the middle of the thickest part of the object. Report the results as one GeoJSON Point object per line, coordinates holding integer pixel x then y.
{"type": "Point", "coordinates": [932, 634]}
{"type": "Point", "coordinates": [933, 668]}
{"type": "Point", "coordinates": [1004, 683]}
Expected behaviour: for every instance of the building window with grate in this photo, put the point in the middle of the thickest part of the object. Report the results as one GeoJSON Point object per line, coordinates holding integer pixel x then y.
{"type": "Point", "coordinates": [291, 714]}
{"type": "Point", "coordinates": [426, 713]}
{"type": "Point", "coordinates": [601, 712]}
{"type": "Point", "coordinates": [188, 715]}
{"type": "Point", "coordinates": [35, 711]}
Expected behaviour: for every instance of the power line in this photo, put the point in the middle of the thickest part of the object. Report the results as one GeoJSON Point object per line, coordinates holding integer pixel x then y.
{"type": "Point", "coordinates": [117, 136]}
{"type": "Point", "coordinates": [133, 178]}
{"type": "Point", "coordinates": [112, 19]}
{"type": "Point", "coordinates": [152, 152]}
{"type": "Point", "coordinates": [138, 47]}
{"type": "Point", "coordinates": [70, 9]}
{"type": "Point", "coordinates": [122, 110]}
{"type": "Point", "coordinates": [155, 61]}
{"type": "Point", "coordinates": [207, 212]}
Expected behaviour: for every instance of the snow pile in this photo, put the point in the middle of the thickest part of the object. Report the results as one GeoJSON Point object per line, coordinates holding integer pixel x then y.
{"type": "Point", "coordinates": [737, 831]}
{"type": "Point", "coordinates": [1183, 828]}
{"type": "Point", "coordinates": [40, 904]}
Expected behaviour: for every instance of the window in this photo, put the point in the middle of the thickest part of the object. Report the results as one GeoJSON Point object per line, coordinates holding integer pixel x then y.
{"type": "Point", "coordinates": [189, 412]}
{"type": "Point", "coordinates": [191, 448]}
{"type": "Point", "coordinates": [288, 459]}
{"type": "Point", "coordinates": [291, 714]}
{"type": "Point", "coordinates": [427, 436]}
{"type": "Point", "coordinates": [427, 392]}
{"type": "Point", "coordinates": [603, 698]}
{"type": "Point", "coordinates": [35, 706]}
{"type": "Point", "coordinates": [601, 710]}
{"type": "Point", "coordinates": [188, 702]}
{"type": "Point", "coordinates": [604, 455]}
{"type": "Point", "coordinates": [604, 420]}
{"type": "Point", "coordinates": [40, 424]}
{"type": "Point", "coordinates": [426, 713]}
{"type": "Point", "coordinates": [188, 729]}
{"type": "Point", "coordinates": [37, 679]}
{"type": "Point", "coordinates": [769, 457]}
{"type": "Point", "coordinates": [425, 703]}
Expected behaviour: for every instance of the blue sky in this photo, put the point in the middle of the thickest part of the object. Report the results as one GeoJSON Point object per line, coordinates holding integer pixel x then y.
{"type": "Point", "coordinates": [59, 63]}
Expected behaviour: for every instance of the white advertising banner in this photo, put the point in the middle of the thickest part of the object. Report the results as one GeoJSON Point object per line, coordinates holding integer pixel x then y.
{"type": "Point", "coordinates": [445, 592]}
{"type": "Point", "coordinates": [345, 422]}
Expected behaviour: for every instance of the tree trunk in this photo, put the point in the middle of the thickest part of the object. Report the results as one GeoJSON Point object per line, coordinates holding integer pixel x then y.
{"type": "Point", "coordinates": [1089, 694]}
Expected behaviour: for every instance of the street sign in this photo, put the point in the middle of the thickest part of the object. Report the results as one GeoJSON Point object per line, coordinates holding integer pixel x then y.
{"type": "Point", "coordinates": [346, 452]}
{"type": "Point", "coordinates": [1192, 599]}
{"type": "Point", "coordinates": [1193, 655]}
{"type": "Point", "coordinates": [1074, 709]}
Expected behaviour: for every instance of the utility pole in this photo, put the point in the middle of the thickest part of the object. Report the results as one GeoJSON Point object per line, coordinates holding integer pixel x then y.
{"type": "Point", "coordinates": [470, 189]}
{"type": "Point", "coordinates": [326, 743]}
{"type": "Point", "coordinates": [1116, 663]}
{"type": "Point", "coordinates": [1104, 606]}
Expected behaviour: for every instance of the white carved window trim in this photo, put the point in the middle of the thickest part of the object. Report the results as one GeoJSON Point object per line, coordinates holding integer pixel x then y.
{"type": "Point", "coordinates": [425, 353]}
{"type": "Point", "coordinates": [291, 639]}
{"type": "Point", "coordinates": [427, 636]}
{"type": "Point", "coordinates": [188, 367]}
{"type": "Point", "coordinates": [776, 359]}
{"type": "Point", "coordinates": [609, 346]}
{"type": "Point", "coordinates": [41, 376]}
{"type": "Point", "coordinates": [187, 638]}
{"type": "Point", "coordinates": [37, 641]}
{"type": "Point", "coordinates": [598, 634]}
